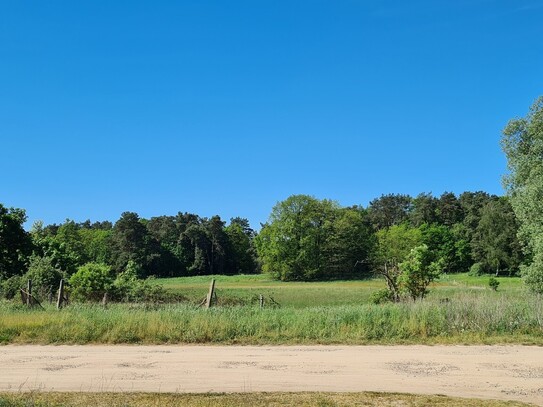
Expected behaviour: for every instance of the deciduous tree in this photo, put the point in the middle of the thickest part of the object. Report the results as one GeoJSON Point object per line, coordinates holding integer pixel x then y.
{"type": "Point", "coordinates": [522, 143]}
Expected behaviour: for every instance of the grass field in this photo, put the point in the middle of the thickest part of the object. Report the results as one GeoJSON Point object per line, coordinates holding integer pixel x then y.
{"type": "Point", "coordinates": [329, 293]}
{"type": "Point", "coordinates": [240, 399]}
{"type": "Point", "coordinates": [459, 309]}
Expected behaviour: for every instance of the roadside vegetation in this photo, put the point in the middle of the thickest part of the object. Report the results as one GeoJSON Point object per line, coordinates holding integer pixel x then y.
{"type": "Point", "coordinates": [458, 309]}
{"type": "Point", "coordinates": [241, 399]}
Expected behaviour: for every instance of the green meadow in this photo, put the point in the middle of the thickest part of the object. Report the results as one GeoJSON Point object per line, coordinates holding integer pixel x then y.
{"type": "Point", "coordinates": [459, 309]}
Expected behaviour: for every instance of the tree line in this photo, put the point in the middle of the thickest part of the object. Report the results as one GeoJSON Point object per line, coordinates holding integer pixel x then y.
{"type": "Point", "coordinates": [304, 239]}
{"type": "Point", "coordinates": [307, 239]}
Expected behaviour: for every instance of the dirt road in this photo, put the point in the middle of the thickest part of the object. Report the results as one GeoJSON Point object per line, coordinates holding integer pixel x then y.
{"type": "Point", "coordinates": [489, 372]}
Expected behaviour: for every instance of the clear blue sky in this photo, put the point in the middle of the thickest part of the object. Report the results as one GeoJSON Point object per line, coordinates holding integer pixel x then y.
{"type": "Point", "coordinates": [226, 107]}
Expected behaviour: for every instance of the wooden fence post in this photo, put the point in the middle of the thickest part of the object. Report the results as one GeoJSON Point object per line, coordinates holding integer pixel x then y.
{"type": "Point", "coordinates": [261, 301]}
{"type": "Point", "coordinates": [60, 294]}
{"type": "Point", "coordinates": [209, 297]}
{"type": "Point", "coordinates": [29, 293]}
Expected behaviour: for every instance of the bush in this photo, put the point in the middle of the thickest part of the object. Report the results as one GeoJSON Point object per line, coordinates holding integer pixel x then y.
{"type": "Point", "coordinates": [44, 275]}
{"type": "Point", "coordinates": [127, 287]}
{"type": "Point", "coordinates": [91, 281]}
{"type": "Point", "coordinates": [477, 269]}
{"type": "Point", "coordinates": [493, 283]}
{"type": "Point", "coordinates": [10, 287]}
{"type": "Point", "coordinates": [381, 296]}
{"type": "Point", "coordinates": [418, 270]}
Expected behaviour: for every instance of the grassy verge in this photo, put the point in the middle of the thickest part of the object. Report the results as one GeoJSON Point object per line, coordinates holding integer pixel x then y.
{"type": "Point", "coordinates": [235, 400]}
{"type": "Point", "coordinates": [460, 309]}
{"type": "Point", "coordinates": [481, 319]}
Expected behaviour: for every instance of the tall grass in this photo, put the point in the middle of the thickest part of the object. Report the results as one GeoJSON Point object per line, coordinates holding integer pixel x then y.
{"type": "Point", "coordinates": [464, 318]}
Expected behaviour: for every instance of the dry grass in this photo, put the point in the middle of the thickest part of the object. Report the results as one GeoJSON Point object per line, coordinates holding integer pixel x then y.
{"type": "Point", "coordinates": [239, 400]}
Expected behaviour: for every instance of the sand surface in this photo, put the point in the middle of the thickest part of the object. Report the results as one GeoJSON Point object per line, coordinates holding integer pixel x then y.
{"type": "Point", "coordinates": [488, 372]}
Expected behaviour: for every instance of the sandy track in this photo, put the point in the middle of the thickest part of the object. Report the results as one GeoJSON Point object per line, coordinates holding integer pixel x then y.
{"type": "Point", "coordinates": [489, 372]}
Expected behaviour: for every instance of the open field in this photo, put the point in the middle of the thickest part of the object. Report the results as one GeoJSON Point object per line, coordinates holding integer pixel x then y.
{"type": "Point", "coordinates": [330, 293]}
{"type": "Point", "coordinates": [459, 310]}
{"type": "Point", "coordinates": [483, 372]}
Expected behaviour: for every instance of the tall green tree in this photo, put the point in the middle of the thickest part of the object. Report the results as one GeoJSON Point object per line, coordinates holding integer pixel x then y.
{"type": "Point", "coordinates": [219, 245]}
{"type": "Point", "coordinates": [449, 209]}
{"type": "Point", "coordinates": [15, 242]}
{"type": "Point", "coordinates": [96, 244]}
{"type": "Point", "coordinates": [522, 143]}
{"type": "Point", "coordinates": [495, 244]}
{"type": "Point", "coordinates": [349, 243]}
{"type": "Point", "coordinates": [131, 241]}
{"type": "Point", "coordinates": [442, 243]}
{"type": "Point", "coordinates": [47, 245]}
{"type": "Point", "coordinates": [291, 243]}
{"type": "Point", "coordinates": [242, 257]}
{"type": "Point", "coordinates": [424, 210]}
{"type": "Point", "coordinates": [389, 210]}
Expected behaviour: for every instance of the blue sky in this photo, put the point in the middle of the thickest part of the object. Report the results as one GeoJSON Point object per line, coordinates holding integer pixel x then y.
{"type": "Point", "coordinates": [226, 107]}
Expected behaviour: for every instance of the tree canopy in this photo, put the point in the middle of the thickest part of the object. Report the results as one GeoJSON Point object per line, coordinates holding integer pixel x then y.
{"type": "Point", "coordinates": [522, 143]}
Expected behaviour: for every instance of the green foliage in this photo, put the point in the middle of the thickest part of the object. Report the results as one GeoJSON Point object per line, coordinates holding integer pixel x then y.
{"type": "Point", "coordinates": [15, 243]}
{"type": "Point", "coordinates": [46, 244]}
{"type": "Point", "coordinates": [305, 239]}
{"type": "Point", "coordinates": [424, 210]}
{"type": "Point", "coordinates": [128, 287]}
{"type": "Point", "coordinates": [243, 257]}
{"type": "Point", "coordinates": [393, 246]}
{"type": "Point", "coordinates": [349, 244]}
{"type": "Point", "coordinates": [477, 269]}
{"type": "Point", "coordinates": [418, 270]}
{"type": "Point", "coordinates": [43, 272]}
{"type": "Point", "coordinates": [10, 287]}
{"type": "Point", "coordinates": [449, 210]}
{"type": "Point", "coordinates": [290, 244]}
{"type": "Point", "coordinates": [308, 239]}
{"type": "Point", "coordinates": [91, 281]}
{"type": "Point", "coordinates": [494, 243]}
{"type": "Point", "coordinates": [381, 296]}
{"type": "Point", "coordinates": [441, 241]}
{"type": "Point", "coordinates": [493, 283]}
{"type": "Point", "coordinates": [96, 244]}
{"type": "Point", "coordinates": [395, 242]}
{"type": "Point", "coordinates": [389, 210]}
{"type": "Point", "coordinates": [131, 242]}
{"type": "Point", "coordinates": [522, 143]}
{"type": "Point", "coordinates": [533, 272]}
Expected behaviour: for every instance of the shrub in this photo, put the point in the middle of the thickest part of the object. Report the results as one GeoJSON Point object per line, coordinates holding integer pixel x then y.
{"type": "Point", "coordinates": [418, 270]}
{"type": "Point", "coordinates": [44, 275]}
{"type": "Point", "coordinates": [10, 287]}
{"type": "Point", "coordinates": [493, 283]}
{"type": "Point", "coordinates": [91, 281]}
{"type": "Point", "coordinates": [476, 269]}
{"type": "Point", "coordinates": [127, 287]}
{"type": "Point", "coordinates": [381, 296]}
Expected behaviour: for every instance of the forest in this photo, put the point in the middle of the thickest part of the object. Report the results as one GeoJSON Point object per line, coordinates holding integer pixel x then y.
{"type": "Point", "coordinates": [305, 239]}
